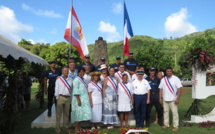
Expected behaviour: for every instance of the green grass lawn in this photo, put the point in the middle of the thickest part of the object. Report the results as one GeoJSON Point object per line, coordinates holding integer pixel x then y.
{"type": "Point", "coordinates": [23, 125]}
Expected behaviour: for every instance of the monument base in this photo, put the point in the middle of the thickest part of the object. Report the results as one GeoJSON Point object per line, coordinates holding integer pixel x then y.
{"type": "Point", "coordinates": [43, 121]}
{"type": "Point", "coordinates": [203, 118]}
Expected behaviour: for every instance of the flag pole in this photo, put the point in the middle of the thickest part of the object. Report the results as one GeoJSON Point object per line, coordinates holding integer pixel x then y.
{"type": "Point", "coordinates": [70, 46]}
{"type": "Point", "coordinates": [123, 30]}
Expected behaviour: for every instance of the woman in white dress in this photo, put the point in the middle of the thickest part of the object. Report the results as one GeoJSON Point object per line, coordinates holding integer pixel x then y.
{"type": "Point", "coordinates": [125, 101]}
{"type": "Point", "coordinates": [109, 95]}
{"type": "Point", "coordinates": [95, 95]}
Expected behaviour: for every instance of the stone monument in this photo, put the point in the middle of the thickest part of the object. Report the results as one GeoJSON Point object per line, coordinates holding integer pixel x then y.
{"type": "Point", "coordinates": [100, 50]}
{"type": "Point", "coordinates": [203, 87]}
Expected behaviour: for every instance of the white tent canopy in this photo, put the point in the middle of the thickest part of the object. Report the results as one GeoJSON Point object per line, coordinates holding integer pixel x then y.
{"type": "Point", "coordinates": [8, 47]}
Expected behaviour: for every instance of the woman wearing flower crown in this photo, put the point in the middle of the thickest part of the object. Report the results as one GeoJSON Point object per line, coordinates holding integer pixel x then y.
{"type": "Point", "coordinates": [95, 95]}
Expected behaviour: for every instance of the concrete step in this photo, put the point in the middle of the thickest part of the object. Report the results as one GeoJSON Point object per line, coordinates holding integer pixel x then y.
{"type": "Point", "coordinates": [43, 121]}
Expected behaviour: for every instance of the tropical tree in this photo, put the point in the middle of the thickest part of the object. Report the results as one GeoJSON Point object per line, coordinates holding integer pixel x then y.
{"type": "Point", "coordinates": [153, 55]}
{"type": "Point", "coordinates": [59, 51]}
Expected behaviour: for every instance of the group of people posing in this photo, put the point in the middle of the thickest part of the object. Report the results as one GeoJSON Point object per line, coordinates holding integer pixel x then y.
{"type": "Point", "coordinates": [106, 94]}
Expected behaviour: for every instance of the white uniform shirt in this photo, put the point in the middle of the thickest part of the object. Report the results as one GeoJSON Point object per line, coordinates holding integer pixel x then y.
{"type": "Point", "coordinates": [60, 88]}
{"type": "Point", "coordinates": [134, 76]}
{"type": "Point", "coordinates": [118, 75]}
{"type": "Point", "coordinates": [87, 78]}
{"type": "Point", "coordinates": [175, 82]}
{"type": "Point", "coordinates": [96, 94]}
{"type": "Point", "coordinates": [142, 87]}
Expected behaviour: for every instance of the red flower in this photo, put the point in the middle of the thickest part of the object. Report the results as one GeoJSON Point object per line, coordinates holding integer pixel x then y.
{"type": "Point", "coordinates": [202, 56]}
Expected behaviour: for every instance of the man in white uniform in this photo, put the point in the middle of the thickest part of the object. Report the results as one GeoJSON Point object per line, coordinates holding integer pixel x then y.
{"type": "Point", "coordinates": [141, 98]}
{"type": "Point", "coordinates": [170, 92]}
{"type": "Point", "coordinates": [122, 71]}
{"type": "Point", "coordinates": [63, 96]}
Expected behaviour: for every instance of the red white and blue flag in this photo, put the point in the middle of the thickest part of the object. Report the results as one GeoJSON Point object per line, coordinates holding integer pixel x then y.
{"type": "Point", "coordinates": [128, 33]}
{"type": "Point", "coordinates": [74, 34]}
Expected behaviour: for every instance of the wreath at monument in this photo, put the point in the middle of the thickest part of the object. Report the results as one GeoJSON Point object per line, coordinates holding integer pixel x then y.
{"type": "Point", "coordinates": [199, 59]}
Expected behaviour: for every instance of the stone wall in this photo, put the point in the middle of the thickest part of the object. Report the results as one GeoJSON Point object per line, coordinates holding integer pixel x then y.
{"type": "Point", "coordinates": [100, 50]}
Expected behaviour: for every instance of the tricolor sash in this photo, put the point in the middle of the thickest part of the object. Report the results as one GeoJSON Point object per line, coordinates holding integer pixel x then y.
{"type": "Point", "coordinates": [119, 74]}
{"type": "Point", "coordinates": [66, 84]}
{"type": "Point", "coordinates": [113, 83]}
{"type": "Point", "coordinates": [126, 89]}
{"type": "Point", "coordinates": [169, 86]}
{"type": "Point", "coordinates": [97, 86]}
{"type": "Point", "coordinates": [82, 81]}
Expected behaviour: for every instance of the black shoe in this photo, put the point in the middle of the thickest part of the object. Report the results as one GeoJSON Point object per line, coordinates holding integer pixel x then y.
{"type": "Point", "coordinates": [160, 121]}
{"type": "Point", "coordinates": [147, 123]}
{"type": "Point", "coordinates": [49, 113]}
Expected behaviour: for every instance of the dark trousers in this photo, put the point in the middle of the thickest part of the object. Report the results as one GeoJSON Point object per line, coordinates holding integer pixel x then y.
{"type": "Point", "coordinates": [154, 101]}
{"type": "Point", "coordinates": [51, 91]}
{"type": "Point", "coordinates": [140, 109]}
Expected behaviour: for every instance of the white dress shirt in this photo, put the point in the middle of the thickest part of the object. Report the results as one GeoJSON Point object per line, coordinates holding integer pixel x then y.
{"type": "Point", "coordinates": [119, 77]}
{"type": "Point", "coordinates": [61, 89]}
{"type": "Point", "coordinates": [87, 78]}
{"type": "Point", "coordinates": [134, 76]}
{"type": "Point", "coordinates": [141, 87]}
{"type": "Point", "coordinates": [176, 84]}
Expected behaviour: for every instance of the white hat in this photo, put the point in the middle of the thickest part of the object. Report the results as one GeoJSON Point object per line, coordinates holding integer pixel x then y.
{"type": "Point", "coordinates": [103, 66]}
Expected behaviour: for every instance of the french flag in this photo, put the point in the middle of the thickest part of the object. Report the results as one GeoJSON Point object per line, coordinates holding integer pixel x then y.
{"type": "Point", "coordinates": [128, 33]}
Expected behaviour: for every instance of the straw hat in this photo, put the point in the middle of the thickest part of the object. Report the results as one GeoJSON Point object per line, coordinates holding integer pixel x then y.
{"type": "Point", "coordinates": [95, 73]}
{"type": "Point", "coordinates": [103, 66]}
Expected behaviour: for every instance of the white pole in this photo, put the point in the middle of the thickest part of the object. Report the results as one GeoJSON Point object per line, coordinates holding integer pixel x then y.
{"type": "Point", "coordinates": [123, 31]}
{"type": "Point", "coordinates": [71, 29]}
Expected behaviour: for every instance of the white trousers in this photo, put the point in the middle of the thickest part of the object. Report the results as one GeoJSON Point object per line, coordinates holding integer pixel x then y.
{"type": "Point", "coordinates": [170, 105]}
